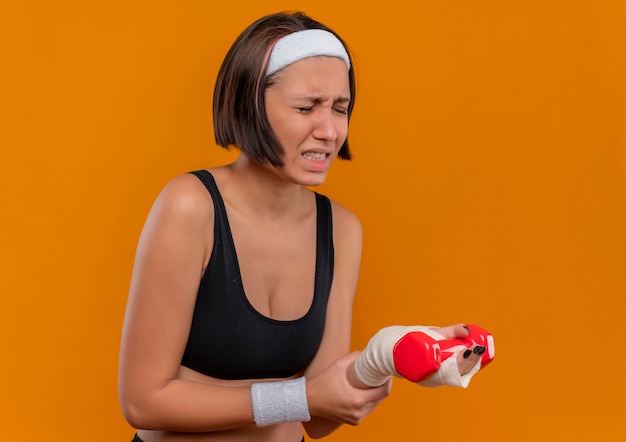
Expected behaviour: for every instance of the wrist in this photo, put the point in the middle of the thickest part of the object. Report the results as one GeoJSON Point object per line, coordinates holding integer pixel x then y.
{"type": "Point", "coordinates": [280, 402]}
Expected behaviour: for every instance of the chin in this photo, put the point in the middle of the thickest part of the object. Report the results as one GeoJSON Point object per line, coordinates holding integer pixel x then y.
{"type": "Point", "coordinates": [315, 180]}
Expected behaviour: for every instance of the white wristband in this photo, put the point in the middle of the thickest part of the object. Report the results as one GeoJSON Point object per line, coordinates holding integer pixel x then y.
{"type": "Point", "coordinates": [280, 402]}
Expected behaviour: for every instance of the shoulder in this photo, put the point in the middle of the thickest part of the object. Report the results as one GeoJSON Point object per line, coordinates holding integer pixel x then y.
{"type": "Point", "coordinates": [347, 231]}
{"type": "Point", "coordinates": [184, 192]}
{"type": "Point", "coordinates": [184, 206]}
{"type": "Point", "coordinates": [345, 222]}
{"type": "Point", "coordinates": [185, 196]}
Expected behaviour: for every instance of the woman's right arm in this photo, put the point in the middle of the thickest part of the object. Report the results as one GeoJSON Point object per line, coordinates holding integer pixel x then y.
{"type": "Point", "coordinates": [172, 253]}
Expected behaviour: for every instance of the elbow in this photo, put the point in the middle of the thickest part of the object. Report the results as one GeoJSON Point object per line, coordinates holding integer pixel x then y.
{"type": "Point", "coordinates": [138, 403]}
{"type": "Point", "coordinates": [142, 404]}
{"type": "Point", "coordinates": [135, 415]}
{"type": "Point", "coordinates": [139, 414]}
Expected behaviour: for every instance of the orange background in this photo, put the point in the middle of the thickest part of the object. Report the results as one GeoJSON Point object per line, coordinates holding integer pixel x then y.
{"type": "Point", "coordinates": [489, 172]}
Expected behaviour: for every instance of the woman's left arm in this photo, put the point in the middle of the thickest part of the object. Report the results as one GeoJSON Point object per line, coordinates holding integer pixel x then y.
{"type": "Point", "coordinates": [332, 399]}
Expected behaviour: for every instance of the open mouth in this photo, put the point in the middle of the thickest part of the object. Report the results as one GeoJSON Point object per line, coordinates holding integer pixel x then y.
{"type": "Point", "coordinates": [315, 156]}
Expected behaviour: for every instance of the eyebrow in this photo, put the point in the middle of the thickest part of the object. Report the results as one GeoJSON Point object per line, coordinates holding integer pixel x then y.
{"type": "Point", "coordinates": [317, 100]}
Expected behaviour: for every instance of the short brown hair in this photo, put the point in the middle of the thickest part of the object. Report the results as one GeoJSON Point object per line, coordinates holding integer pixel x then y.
{"type": "Point", "coordinates": [239, 116]}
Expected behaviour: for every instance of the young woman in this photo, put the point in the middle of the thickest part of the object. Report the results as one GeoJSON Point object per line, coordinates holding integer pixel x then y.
{"type": "Point", "coordinates": [239, 315]}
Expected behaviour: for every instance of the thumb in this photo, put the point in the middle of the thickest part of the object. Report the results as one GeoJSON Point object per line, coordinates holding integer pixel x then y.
{"type": "Point", "coordinates": [454, 331]}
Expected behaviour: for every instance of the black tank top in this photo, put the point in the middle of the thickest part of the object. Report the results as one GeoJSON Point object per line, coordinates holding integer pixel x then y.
{"type": "Point", "coordinates": [229, 338]}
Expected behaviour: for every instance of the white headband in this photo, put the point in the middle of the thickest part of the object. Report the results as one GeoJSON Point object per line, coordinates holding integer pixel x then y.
{"type": "Point", "coordinates": [304, 44]}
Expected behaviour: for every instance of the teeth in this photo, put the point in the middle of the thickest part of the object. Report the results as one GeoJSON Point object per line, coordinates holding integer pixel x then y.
{"type": "Point", "coordinates": [315, 156]}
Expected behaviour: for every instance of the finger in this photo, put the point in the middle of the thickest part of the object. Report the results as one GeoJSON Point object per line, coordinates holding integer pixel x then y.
{"type": "Point", "coordinates": [466, 364]}
{"type": "Point", "coordinates": [454, 331]}
{"type": "Point", "coordinates": [351, 357]}
{"type": "Point", "coordinates": [468, 359]}
{"type": "Point", "coordinates": [377, 394]}
{"type": "Point", "coordinates": [461, 331]}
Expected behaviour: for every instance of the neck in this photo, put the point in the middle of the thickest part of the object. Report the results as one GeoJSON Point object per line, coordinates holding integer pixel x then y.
{"type": "Point", "coordinates": [264, 190]}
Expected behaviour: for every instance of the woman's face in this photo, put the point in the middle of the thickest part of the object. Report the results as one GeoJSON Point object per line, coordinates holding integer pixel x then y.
{"type": "Point", "coordinates": [307, 107]}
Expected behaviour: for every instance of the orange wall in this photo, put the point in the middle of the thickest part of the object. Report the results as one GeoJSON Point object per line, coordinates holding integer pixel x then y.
{"type": "Point", "coordinates": [489, 174]}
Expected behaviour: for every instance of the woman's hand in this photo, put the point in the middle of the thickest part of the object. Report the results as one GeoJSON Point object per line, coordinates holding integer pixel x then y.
{"type": "Point", "coordinates": [466, 360]}
{"type": "Point", "coordinates": [332, 396]}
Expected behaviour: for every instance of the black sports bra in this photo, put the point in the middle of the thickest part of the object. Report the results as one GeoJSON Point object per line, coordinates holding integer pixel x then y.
{"type": "Point", "coordinates": [228, 338]}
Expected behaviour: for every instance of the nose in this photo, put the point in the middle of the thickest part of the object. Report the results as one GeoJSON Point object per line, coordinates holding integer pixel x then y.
{"type": "Point", "coordinates": [326, 126]}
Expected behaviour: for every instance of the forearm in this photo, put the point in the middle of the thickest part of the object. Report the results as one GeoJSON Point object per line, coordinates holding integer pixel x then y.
{"type": "Point", "coordinates": [187, 406]}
